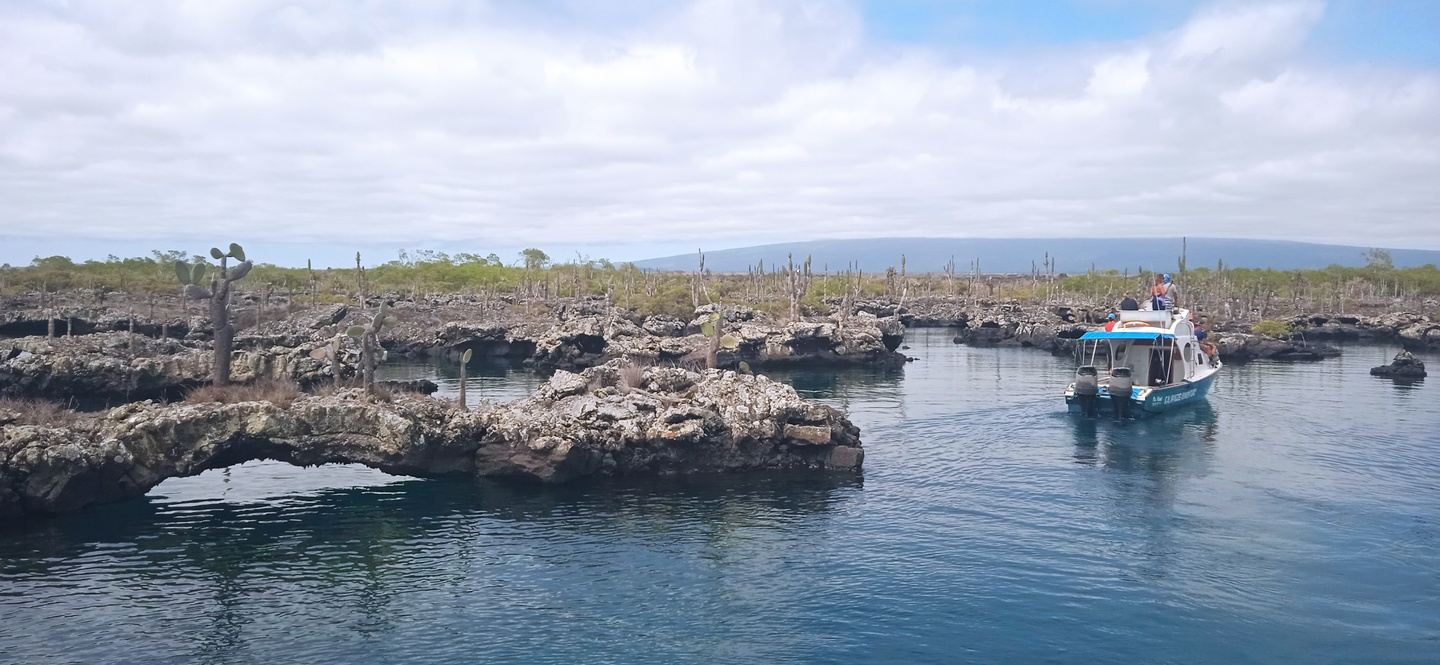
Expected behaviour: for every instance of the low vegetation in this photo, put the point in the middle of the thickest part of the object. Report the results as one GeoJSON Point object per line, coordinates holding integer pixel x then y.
{"type": "Point", "coordinates": [784, 291]}
{"type": "Point", "coordinates": [45, 413]}
{"type": "Point", "coordinates": [1271, 328]}
{"type": "Point", "coordinates": [275, 391]}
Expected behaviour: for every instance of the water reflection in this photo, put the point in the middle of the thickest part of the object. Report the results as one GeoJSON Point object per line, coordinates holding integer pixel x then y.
{"type": "Point", "coordinates": [487, 379]}
{"type": "Point", "coordinates": [1406, 388]}
{"type": "Point", "coordinates": [351, 560]}
{"type": "Point", "coordinates": [1087, 440]}
{"type": "Point", "coordinates": [827, 382]}
{"type": "Point", "coordinates": [1147, 463]}
{"type": "Point", "coordinates": [215, 533]}
{"type": "Point", "coordinates": [1291, 512]}
{"type": "Point", "coordinates": [1155, 452]}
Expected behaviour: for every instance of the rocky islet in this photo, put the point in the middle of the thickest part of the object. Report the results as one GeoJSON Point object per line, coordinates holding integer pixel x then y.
{"type": "Point", "coordinates": [614, 419]}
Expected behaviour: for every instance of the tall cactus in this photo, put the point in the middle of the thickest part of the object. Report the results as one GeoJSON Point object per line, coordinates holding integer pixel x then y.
{"type": "Point", "coordinates": [799, 284]}
{"type": "Point", "coordinates": [464, 362]}
{"type": "Point", "coordinates": [333, 355]}
{"type": "Point", "coordinates": [371, 353]}
{"type": "Point", "coordinates": [192, 276]}
{"type": "Point", "coordinates": [712, 330]}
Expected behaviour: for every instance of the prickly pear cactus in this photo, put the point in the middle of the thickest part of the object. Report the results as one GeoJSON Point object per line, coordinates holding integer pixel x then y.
{"type": "Point", "coordinates": [461, 402]}
{"type": "Point", "coordinates": [371, 353]}
{"type": "Point", "coordinates": [193, 287]}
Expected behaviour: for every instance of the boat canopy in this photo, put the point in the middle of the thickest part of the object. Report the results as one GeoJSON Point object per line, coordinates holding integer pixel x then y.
{"type": "Point", "coordinates": [1125, 334]}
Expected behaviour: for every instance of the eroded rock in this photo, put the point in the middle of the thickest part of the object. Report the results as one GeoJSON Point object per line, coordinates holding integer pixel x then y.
{"type": "Point", "coordinates": [1404, 366]}
{"type": "Point", "coordinates": [661, 325]}
{"type": "Point", "coordinates": [100, 364]}
{"type": "Point", "coordinates": [1244, 347]}
{"type": "Point", "coordinates": [331, 316]}
{"type": "Point", "coordinates": [604, 421]}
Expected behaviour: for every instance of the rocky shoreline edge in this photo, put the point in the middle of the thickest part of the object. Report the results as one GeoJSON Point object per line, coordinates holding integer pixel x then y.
{"type": "Point", "coordinates": [612, 419]}
{"type": "Point", "coordinates": [125, 365]}
{"type": "Point", "coordinates": [105, 360]}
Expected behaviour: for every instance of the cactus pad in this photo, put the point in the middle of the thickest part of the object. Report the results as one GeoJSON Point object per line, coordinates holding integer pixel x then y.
{"type": "Point", "coordinates": [183, 272]}
{"type": "Point", "coordinates": [239, 272]}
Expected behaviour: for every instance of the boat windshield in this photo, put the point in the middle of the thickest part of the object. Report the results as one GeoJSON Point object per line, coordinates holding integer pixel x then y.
{"type": "Point", "coordinates": [1137, 354]}
{"type": "Point", "coordinates": [1096, 353]}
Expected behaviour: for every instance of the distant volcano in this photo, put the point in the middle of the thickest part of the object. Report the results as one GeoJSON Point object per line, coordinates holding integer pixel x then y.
{"type": "Point", "coordinates": [1018, 255]}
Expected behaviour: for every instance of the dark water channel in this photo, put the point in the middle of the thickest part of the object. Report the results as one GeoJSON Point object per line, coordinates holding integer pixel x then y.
{"type": "Point", "coordinates": [1294, 518]}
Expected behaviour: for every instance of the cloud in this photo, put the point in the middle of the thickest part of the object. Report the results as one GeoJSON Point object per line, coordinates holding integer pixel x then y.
{"type": "Point", "coordinates": [1247, 34]}
{"type": "Point", "coordinates": [715, 123]}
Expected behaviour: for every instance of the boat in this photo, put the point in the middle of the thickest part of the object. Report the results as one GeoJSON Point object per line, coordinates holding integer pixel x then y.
{"type": "Point", "coordinates": [1153, 355]}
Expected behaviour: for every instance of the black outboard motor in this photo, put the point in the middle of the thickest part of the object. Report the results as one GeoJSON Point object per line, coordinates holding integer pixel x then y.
{"type": "Point", "coordinates": [1087, 389]}
{"type": "Point", "coordinates": [1120, 384]}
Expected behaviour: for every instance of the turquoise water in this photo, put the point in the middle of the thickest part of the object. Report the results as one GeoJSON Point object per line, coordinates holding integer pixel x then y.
{"type": "Point", "coordinates": [1294, 518]}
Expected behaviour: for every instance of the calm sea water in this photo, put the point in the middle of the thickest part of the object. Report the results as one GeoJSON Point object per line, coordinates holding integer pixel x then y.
{"type": "Point", "coordinates": [1295, 518]}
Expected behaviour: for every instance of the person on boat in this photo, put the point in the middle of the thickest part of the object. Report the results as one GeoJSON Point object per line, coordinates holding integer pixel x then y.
{"type": "Point", "coordinates": [1110, 322]}
{"type": "Point", "coordinates": [1171, 293]}
{"type": "Point", "coordinates": [1128, 304]}
{"type": "Point", "coordinates": [1157, 293]}
{"type": "Point", "coordinates": [1206, 347]}
{"type": "Point", "coordinates": [1158, 368]}
{"type": "Point", "coordinates": [1212, 353]}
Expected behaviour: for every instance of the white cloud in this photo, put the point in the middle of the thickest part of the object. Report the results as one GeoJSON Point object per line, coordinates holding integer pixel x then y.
{"type": "Point", "coordinates": [1247, 33]}
{"type": "Point", "coordinates": [1120, 76]}
{"type": "Point", "coordinates": [716, 123]}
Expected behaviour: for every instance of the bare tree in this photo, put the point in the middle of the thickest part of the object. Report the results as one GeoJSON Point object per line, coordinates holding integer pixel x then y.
{"type": "Point", "coordinates": [799, 284]}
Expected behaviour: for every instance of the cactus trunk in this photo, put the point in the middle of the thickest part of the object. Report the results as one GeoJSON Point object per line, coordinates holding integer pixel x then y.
{"type": "Point", "coordinates": [335, 369]}
{"type": "Point", "coordinates": [224, 332]}
{"type": "Point", "coordinates": [463, 405]}
{"type": "Point", "coordinates": [712, 352]}
{"type": "Point", "coordinates": [218, 294]}
{"type": "Point", "coordinates": [369, 347]}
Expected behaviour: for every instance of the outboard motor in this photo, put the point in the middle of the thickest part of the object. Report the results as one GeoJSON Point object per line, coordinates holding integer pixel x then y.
{"type": "Point", "coordinates": [1120, 384]}
{"type": "Point", "coordinates": [1087, 389]}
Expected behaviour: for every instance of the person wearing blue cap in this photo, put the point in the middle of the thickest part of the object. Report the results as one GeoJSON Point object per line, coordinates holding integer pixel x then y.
{"type": "Point", "coordinates": [1172, 292]}
{"type": "Point", "coordinates": [1110, 322]}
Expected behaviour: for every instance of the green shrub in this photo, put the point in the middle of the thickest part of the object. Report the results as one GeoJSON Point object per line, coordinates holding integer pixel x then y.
{"type": "Point", "coordinates": [1271, 328]}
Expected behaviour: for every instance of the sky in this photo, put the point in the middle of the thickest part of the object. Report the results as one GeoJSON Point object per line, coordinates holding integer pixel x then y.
{"type": "Point", "coordinates": [637, 128]}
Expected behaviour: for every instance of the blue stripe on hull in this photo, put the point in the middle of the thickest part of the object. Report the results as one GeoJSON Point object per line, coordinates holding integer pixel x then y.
{"type": "Point", "coordinates": [1160, 400]}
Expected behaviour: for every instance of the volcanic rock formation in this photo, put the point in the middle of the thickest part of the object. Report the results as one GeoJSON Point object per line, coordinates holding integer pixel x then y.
{"type": "Point", "coordinates": [609, 420]}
